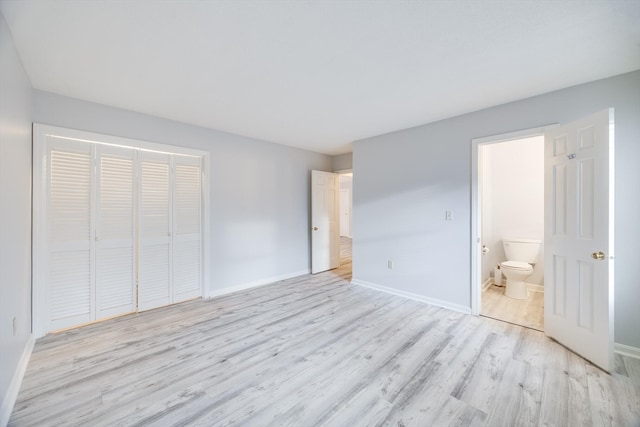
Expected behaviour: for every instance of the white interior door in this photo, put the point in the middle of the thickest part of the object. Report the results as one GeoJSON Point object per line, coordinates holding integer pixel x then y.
{"type": "Point", "coordinates": [325, 222]}
{"type": "Point", "coordinates": [115, 231]}
{"type": "Point", "coordinates": [579, 173]}
{"type": "Point", "coordinates": [155, 260]}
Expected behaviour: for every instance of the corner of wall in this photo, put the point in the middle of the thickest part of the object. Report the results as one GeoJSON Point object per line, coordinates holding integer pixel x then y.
{"type": "Point", "coordinates": [342, 162]}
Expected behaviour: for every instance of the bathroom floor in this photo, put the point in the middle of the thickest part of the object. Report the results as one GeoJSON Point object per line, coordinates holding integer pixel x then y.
{"type": "Point", "coordinates": [528, 313]}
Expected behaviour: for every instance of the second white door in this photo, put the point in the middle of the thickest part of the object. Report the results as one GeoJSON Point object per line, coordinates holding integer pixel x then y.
{"type": "Point", "coordinates": [325, 221]}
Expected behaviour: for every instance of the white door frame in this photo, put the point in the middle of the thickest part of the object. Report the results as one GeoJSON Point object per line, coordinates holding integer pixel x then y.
{"type": "Point", "coordinates": [476, 212]}
{"type": "Point", "coordinates": [40, 134]}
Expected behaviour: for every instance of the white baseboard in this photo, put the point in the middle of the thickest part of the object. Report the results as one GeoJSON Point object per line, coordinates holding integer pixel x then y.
{"type": "Point", "coordinates": [415, 297]}
{"type": "Point", "coordinates": [12, 394]}
{"type": "Point", "coordinates": [534, 288]}
{"type": "Point", "coordinates": [627, 350]}
{"type": "Point", "coordinates": [530, 286]}
{"type": "Point", "coordinates": [255, 284]}
{"type": "Point", "coordinates": [503, 282]}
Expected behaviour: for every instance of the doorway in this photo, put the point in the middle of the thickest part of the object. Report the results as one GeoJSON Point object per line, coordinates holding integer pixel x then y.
{"type": "Point", "coordinates": [331, 207]}
{"type": "Point", "coordinates": [346, 223]}
{"type": "Point", "coordinates": [507, 202]}
{"type": "Point", "coordinates": [578, 224]}
{"type": "Point", "coordinates": [346, 204]}
{"type": "Point", "coordinates": [512, 214]}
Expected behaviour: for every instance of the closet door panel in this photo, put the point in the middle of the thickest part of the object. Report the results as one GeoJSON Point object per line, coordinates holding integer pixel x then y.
{"type": "Point", "coordinates": [69, 265]}
{"type": "Point", "coordinates": [187, 269]}
{"type": "Point", "coordinates": [187, 276]}
{"type": "Point", "coordinates": [115, 232]}
{"type": "Point", "coordinates": [154, 284]}
{"type": "Point", "coordinates": [70, 293]}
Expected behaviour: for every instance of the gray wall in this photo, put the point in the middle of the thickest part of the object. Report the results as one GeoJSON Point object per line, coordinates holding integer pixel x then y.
{"type": "Point", "coordinates": [342, 162]}
{"type": "Point", "coordinates": [404, 181]}
{"type": "Point", "coordinates": [15, 210]}
{"type": "Point", "coordinates": [259, 191]}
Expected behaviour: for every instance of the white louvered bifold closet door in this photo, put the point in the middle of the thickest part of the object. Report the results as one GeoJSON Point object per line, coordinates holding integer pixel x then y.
{"type": "Point", "coordinates": [154, 256]}
{"type": "Point", "coordinates": [115, 231]}
{"type": "Point", "coordinates": [118, 227]}
{"type": "Point", "coordinates": [71, 298]}
{"type": "Point", "coordinates": [187, 271]}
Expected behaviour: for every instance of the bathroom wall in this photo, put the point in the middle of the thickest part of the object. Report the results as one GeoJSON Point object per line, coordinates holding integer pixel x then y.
{"type": "Point", "coordinates": [512, 199]}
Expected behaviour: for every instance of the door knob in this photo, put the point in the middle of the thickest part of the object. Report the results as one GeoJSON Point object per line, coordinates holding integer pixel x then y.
{"type": "Point", "coordinates": [598, 255]}
{"type": "Point", "coordinates": [315, 228]}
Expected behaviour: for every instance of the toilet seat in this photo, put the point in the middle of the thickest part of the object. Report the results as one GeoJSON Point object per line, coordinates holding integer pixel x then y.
{"type": "Point", "coordinates": [517, 265]}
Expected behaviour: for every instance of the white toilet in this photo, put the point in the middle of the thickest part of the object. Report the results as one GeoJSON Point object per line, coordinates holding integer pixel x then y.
{"type": "Point", "coordinates": [521, 253]}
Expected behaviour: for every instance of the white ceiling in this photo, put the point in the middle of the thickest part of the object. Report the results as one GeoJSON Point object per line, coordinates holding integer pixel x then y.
{"type": "Point", "coordinates": [319, 74]}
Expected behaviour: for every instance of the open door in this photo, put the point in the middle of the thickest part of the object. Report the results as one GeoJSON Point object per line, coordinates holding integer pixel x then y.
{"type": "Point", "coordinates": [325, 221]}
{"type": "Point", "coordinates": [579, 183]}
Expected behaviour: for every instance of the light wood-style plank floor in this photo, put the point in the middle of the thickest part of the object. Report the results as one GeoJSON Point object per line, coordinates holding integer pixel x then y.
{"type": "Point", "coordinates": [528, 312]}
{"type": "Point", "coordinates": [316, 350]}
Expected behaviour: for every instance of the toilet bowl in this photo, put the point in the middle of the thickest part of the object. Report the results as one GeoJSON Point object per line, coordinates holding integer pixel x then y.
{"type": "Point", "coordinates": [516, 273]}
{"type": "Point", "coordinates": [521, 253]}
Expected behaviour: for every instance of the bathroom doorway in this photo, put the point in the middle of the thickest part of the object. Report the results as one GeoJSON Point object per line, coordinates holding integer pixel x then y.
{"type": "Point", "coordinates": [510, 205]}
{"type": "Point", "coordinates": [578, 239]}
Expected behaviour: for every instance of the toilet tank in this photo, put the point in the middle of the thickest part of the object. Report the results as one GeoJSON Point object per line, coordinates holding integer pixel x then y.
{"type": "Point", "coordinates": [521, 249]}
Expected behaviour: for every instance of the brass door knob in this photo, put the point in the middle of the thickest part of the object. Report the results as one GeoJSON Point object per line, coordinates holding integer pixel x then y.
{"type": "Point", "coordinates": [315, 228]}
{"type": "Point", "coordinates": [598, 255]}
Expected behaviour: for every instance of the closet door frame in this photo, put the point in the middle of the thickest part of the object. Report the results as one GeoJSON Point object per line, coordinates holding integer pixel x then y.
{"type": "Point", "coordinates": [41, 133]}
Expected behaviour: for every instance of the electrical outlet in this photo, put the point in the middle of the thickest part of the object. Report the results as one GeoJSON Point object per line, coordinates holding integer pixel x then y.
{"type": "Point", "coordinates": [448, 215]}
{"type": "Point", "coordinates": [390, 265]}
